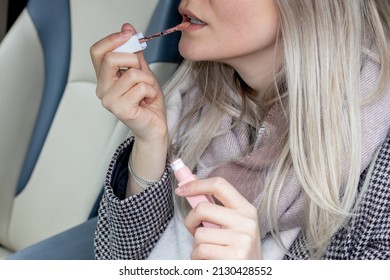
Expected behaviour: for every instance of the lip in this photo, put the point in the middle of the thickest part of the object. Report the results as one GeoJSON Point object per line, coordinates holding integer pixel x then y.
{"type": "Point", "coordinates": [187, 14]}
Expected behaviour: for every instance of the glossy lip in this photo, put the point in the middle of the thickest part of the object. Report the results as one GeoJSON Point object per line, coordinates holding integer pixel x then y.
{"type": "Point", "coordinates": [187, 14]}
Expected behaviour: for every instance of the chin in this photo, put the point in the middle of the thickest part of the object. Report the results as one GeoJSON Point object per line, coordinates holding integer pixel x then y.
{"type": "Point", "coordinates": [189, 52]}
{"type": "Point", "coordinates": [202, 52]}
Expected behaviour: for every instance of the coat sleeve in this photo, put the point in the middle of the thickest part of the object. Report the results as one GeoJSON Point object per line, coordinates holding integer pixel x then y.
{"type": "Point", "coordinates": [128, 228]}
{"type": "Point", "coordinates": [367, 234]}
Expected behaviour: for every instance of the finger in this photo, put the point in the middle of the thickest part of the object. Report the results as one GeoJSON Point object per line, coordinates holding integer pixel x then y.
{"type": "Point", "coordinates": [128, 27]}
{"type": "Point", "coordinates": [139, 82]}
{"type": "Point", "coordinates": [127, 106]}
{"type": "Point", "coordinates": [230, 243]}
{"type": "Point", "coordinates": [222, 216]}
{"type": "Point", "coordinates": [109, 72]}
{"type": "Point", "coordinates": [216, 186]}
{"type": "Point", "coordinates": [144, 64]}
{"type": "Point", "coordinates": [205, 212]}
{"type": "Point", "coordinates": [134, 76]}
{"type": "Point", "coordinates": [112, 61]}
{"type": "Point", "coordinates": [107, 44]}
{"type": "Point", "coordinates": [207, 251]}
{"type": "Point", "coordinates": [216, 236]}
{"type": "Point", "coordinates": [143, 92]}
{"type": "Point", "coordinates": [141, 57]}
{"type": "Point", "coordinates": [212, 252]}
{"type": "Point", "coordinates": [244, 244]}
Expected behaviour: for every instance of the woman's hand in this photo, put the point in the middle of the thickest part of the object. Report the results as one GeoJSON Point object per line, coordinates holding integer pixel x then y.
{"type": "Point", "coordinates": [238, 237]}
{"type": "Point", "coordinates": [133, 96]}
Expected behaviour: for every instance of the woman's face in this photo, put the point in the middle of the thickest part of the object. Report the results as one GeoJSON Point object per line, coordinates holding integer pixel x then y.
{"type": "Point", "coordinates": [235, 32]}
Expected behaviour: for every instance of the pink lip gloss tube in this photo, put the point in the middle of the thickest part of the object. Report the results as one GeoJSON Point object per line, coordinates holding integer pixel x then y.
{"type": "Point", "coordinates": [184, 175]}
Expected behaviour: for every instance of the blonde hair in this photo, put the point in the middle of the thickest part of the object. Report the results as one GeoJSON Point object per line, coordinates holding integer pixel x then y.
{"type": "Point", "coordinates": [325, 44]}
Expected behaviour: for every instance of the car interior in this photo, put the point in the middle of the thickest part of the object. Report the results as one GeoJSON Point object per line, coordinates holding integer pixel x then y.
{"type": "Point", "coordinates": [56, 138]}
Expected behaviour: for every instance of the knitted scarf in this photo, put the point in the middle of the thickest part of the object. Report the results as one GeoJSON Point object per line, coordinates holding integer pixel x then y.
{"type": "Point", "coordinates": [247, 173]}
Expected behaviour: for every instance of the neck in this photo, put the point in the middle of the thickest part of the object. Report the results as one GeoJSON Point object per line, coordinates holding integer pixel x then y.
{"type": "Point", "coordinates": [258, 70]}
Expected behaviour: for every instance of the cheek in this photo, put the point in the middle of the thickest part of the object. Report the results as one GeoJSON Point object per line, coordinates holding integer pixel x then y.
{"type": "Point", "coordinates": [230, 39]}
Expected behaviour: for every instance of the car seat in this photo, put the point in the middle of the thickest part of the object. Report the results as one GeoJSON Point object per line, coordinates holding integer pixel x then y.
{"type": "Point", "coordinates": [56, 138]}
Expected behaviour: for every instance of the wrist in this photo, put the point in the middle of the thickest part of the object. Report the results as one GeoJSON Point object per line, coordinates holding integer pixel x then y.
{"type": "Point", "coordinates": [152, 138]}
{"type": "Point", "coordinates": [148, 158]}
{"type": "Point", "coordinates": [151, 147]}
{"type": "Point", "coordinates": [141, 182]}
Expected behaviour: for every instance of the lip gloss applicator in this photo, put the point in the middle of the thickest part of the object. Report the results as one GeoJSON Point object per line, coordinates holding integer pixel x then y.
{"type": "Point", "coordinates": [179, 27]}
{"type": "Point", "coordinates": [138, 42]}
{"type": "Point", "coordinates": [184, 175]}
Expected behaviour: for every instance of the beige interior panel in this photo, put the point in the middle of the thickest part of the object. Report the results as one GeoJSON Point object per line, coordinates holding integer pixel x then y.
{"type": "Point", "coordinates": [70, 171]}
{"type": "Point", "coordinates": [21, 82]}
{"type": "Point", "coordinates": [96, 19]}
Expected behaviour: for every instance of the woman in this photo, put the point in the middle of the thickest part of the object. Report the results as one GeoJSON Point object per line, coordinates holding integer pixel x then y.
{"type": "Point", "coordinates": [278, 108]}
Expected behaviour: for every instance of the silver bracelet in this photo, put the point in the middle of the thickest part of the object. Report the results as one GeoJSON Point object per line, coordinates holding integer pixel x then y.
{"type": "Point", "coordinates": [143, 183]}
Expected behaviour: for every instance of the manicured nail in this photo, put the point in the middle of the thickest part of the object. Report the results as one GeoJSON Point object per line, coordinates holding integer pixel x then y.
{"type": "Point", "coordinates": [180, 190]}
{"type": "Point", "coordinates": [126, 33]}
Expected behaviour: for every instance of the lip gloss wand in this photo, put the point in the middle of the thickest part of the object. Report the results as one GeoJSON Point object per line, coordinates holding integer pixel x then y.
{"type": "Point", "coordinates": [179, 27]}
{"type": "Point", "coordinates": [138, 41]}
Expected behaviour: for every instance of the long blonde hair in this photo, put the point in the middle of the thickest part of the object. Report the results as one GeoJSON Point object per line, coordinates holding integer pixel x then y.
{"type": "Point", "coordinates": [325, 43]}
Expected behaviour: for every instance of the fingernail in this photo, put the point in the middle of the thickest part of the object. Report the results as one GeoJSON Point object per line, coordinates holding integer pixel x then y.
{"type": "Point", "coordinates": [180, 190]}
{"type": "Point", "coordinates": [126, 33]}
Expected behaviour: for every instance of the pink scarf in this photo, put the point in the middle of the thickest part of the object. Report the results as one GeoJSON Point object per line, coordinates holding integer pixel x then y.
{"type": "Point", "coordinates": [247, 173]}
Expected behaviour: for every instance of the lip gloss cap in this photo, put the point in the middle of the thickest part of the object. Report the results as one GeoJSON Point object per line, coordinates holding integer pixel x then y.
{"type": "Point", "coordinates": [182, 172]}
{"type": "Point", "coordinates": [132, 45]}
{"type": "Point", "coordinates": [177, 164]}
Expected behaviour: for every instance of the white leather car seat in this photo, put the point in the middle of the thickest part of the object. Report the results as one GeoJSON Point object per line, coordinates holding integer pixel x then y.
{"type": "Point", "coordinates": [56, 138]}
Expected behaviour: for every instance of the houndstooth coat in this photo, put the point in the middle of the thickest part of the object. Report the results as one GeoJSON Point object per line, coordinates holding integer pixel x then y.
{"type": "Point", "coordinates": [130, 228]}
